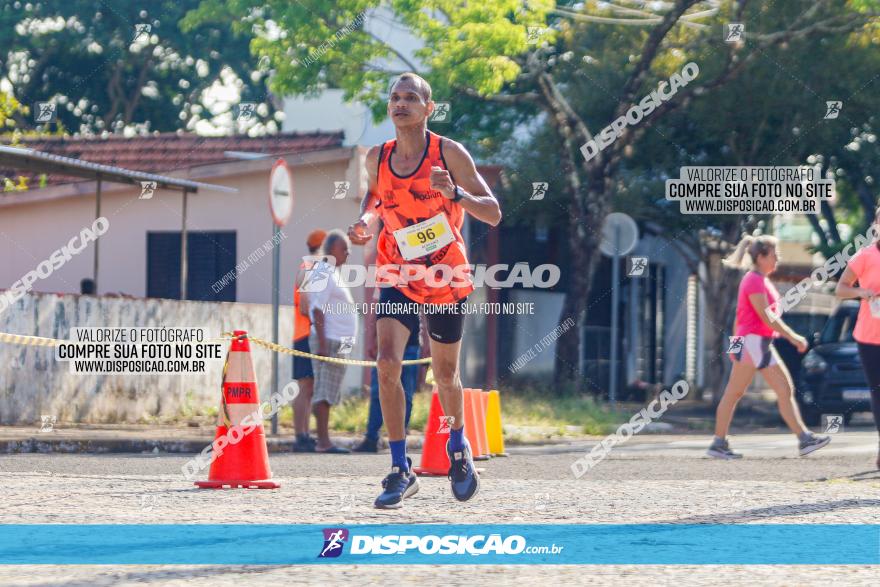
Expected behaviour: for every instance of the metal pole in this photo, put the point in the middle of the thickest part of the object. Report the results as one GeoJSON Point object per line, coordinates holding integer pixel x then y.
{"type": "Point", "coordinates": [615, 300]}
{"type": "Point", "coordinates": [183, 249]}
{"type": "Point", "coordinates": [97, 240]}
{"type": "Point", "coordinates": [276, 278]}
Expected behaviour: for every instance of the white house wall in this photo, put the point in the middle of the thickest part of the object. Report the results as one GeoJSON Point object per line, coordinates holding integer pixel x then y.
{"type": "Point", "coordinates": [31, 231]}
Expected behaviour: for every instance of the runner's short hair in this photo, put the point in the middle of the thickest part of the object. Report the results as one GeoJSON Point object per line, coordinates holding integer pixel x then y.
{"type": "Point", "coordinates": [331, 238]}
{"type": "Point", "coordinates": [424, 88]}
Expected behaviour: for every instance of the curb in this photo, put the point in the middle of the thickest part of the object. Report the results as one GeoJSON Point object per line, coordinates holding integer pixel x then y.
{"type": "Point", "coordinates": [67, 445]}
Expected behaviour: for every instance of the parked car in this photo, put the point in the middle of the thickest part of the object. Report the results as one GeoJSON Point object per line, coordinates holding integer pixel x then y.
{"type": "Point", "coordinates": [806, 324]}
{"type": "Point", "coordinates": [831, 379]}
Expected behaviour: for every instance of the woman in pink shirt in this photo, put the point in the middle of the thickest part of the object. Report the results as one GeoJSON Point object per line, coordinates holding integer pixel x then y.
{"type": "Point", "coordinates": [864, 267]}
{"type": "Point", "coordinates": [751, 348]}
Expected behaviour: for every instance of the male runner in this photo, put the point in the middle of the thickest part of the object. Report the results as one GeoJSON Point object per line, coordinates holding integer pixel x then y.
{"type": "Point", "coordinates": [420, 184]}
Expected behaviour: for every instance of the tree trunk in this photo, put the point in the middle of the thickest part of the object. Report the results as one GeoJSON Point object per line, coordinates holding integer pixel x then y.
{"type": "Point", "coordinates": [720, 295]}
{"type": "Point", "coordinates": [568, 347]}
{"type": "Point", "coordinates": [720, 286]}
{"type": "Point", "coordinates": [866, 198]}
{"type": "Point", "coordinates": [584, 235]}
{"type": "Point", "coordinates": [586, 212]}
{"type": "Point", "coordinates": [828, 215]}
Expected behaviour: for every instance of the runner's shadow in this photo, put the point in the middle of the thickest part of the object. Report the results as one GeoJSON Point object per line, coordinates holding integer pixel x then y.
{"type": "Point", "coordinates": [872, 475]}
{"type": "Point", "coordinates": [863, 476]}
{"type": "Point", "coordinates": [776, 511]}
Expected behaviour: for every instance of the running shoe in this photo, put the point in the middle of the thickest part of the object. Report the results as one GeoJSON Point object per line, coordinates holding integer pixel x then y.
{"type": "Point", "coordinates": [721, 450]}
{"type": "Point", "coordinates": [398, 485]}
{"type": "Point", "coordinates": [812, 443]}
{"type": "Point", "coordinates": [462, 474]}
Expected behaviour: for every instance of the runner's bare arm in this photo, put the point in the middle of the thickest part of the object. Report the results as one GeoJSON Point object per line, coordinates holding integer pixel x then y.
{"type": "Point", "coordinates": [318, 321]}
{"type": "Point", "coordinates": [761, 303]}
{"type": "Point", "coordinates": [357, 232]}
{"type": "Point", "coordinates": [846, 287]}
{"type": "Point", "coordinates": [476, 198]}
{"type": "Point", "coordinates": [303, 296]}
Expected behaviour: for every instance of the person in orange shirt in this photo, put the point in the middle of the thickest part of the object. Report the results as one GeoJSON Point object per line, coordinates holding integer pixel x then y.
{"type": "Point", "coordinates": [421, 185]}
{"type": "Point", "coordinates": [864, 268]}
{"type": "Point", "coordinates": [302, 367]}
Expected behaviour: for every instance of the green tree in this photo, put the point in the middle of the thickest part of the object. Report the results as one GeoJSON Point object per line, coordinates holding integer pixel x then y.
{"type": "Point", "coordinates": [774, 115]}
{"type": "Point", "coordinates": [582, 74]}
{"type": "Point", "coordinates": [9, 107]}
{"type": "Point", "coordinates": [105, 74]}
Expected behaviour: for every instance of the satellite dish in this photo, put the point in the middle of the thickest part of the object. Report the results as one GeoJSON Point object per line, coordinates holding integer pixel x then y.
{"type": "Point", "coordinates": [620, 234]}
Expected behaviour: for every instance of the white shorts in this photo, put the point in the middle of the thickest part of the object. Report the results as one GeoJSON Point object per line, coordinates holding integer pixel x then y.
{"type": "Point", "coordinates": [756, 350]}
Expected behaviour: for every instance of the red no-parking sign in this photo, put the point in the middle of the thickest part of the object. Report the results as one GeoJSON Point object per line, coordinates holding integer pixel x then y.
{"type": "Point", "coordinates": [281, 192]}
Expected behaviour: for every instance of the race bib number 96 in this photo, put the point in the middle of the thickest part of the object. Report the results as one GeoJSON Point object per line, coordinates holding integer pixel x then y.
{"type": "Point", "coordinates": [424, 238]}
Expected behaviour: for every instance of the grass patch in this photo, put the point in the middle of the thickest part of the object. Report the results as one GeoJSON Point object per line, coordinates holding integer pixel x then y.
{"type": "Point", "coordinates": [526, 415]}
{"type": "Point", "coordinates": [560, 413]}
{"type": "Point", "coordinates": [555, 416]}
{"type": "Point", "coordinates": [351, 415]}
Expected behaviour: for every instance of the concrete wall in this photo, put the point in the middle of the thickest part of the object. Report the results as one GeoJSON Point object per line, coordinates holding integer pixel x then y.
{"type": "Point", "coordinates": [32, 226]}
{"type": "Point", "coordinates": [32, 383]}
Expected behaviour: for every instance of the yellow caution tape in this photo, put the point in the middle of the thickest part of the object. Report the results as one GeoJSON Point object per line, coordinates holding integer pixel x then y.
{"type": "Point", "coordinates": [24, 339]}
{"type": "Point", "coordinates": [287, 351]}
{"type": "Point", "coordinates": [29, 340]}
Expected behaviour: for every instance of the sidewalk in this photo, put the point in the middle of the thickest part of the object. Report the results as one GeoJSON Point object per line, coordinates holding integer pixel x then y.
{"type": "Point", "coordinates": [755, 415]}
{"type": "Point", "coordinates": [138, 438]}
{"type": "Point", "coordinates": [164, 438]}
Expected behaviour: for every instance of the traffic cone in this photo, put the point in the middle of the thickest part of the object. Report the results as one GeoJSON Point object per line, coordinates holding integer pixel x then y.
{"type": "Point", "coordinates": [470, 422]}
{"type": "Point", "coordinates": [435, 461]}
{"type": "Point", "coordinates": [480, 403]}
{"type": "Point", "coordinates": [484, 407]}
{"type": "Point", "coordinates": [243, 462]}
{"type": "Point", "coordinates": [472, 425]}
{"type": "Point", "coordinates": [493, 424]}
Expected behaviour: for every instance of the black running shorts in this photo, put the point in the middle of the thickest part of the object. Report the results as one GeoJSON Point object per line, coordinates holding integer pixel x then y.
{"type": "Point", "coordinates": [445, 322]}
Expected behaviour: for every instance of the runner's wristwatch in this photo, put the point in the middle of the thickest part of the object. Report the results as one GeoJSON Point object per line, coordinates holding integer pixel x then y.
{"type": "Point", "coordinates": [459, 194]}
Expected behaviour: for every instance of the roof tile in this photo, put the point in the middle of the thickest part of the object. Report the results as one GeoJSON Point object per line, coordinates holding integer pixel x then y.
{"type": "Point", "coordinates": [165, 152]}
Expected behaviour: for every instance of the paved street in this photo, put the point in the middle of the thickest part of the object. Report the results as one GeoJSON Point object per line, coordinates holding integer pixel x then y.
{"type": "Point", "coordinates": [651, 479]}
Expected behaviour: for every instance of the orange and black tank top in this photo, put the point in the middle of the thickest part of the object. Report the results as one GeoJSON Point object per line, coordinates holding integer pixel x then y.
{"type": "Point", "coordinates": [407, 200]}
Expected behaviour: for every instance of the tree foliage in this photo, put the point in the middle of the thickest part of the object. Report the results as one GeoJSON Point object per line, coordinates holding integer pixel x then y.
{"type": "Point", "coordinates": [585, 70]}
{"type": "Point", "coordinates": [106, 75]}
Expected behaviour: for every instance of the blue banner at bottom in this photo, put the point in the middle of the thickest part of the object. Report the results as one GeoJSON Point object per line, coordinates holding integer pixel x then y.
{"type": "Point", "coordinates": [278, 544]}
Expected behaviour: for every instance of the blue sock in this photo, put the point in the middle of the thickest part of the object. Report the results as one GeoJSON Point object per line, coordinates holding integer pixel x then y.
{"type": "Point", "coordinates": [456, 439]}
{"type": "Point", "coordinates": [398, 454]}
